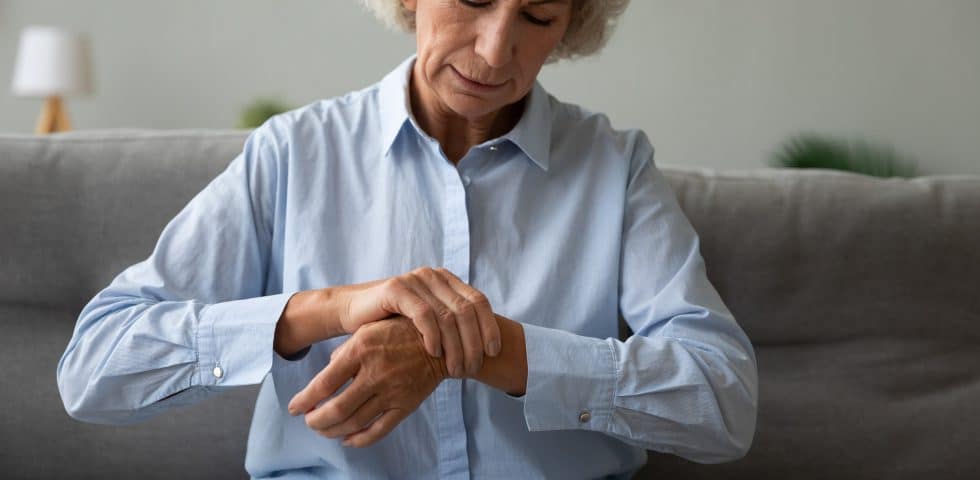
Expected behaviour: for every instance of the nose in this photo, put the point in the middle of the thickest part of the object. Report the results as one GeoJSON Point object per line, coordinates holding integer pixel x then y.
{"type": "Point", "coordinates": [496, 40]}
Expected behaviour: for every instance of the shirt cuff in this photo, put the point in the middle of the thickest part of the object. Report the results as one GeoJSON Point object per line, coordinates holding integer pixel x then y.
{"type": "Point", "coordinates": [235, 340]}
{"type": "Point", "coordinates": [571, 380]}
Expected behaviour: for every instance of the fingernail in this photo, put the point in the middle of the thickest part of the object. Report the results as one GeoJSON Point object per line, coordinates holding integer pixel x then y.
{"type": "Point", "coordinates": [494, 348]}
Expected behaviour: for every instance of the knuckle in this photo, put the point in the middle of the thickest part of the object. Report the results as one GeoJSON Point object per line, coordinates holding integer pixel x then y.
{"type": "Point", "coordinates": [338, 351]}
{"type": "Point", "coordinates": [461, 304]}
{"type": "Point", "coordinates": [330, 413]}
{"type": "Point", "coordinates": [446, 272]}
{"type": "Point", "coordinates": [423, 308]}
{"type": "Point", "coordinates": [322, 384]}
{"type": "Point", "coordinates": [358, 421]}
{"type": "Point", "coordinates": [388, 423]}
{"type": "Point", "coordinates": [312, 421]}
{"type": "Point", "coordinates": [480, 300]}
{"type": "Point", "coordinates": [356, 343]}
{"type": "Point", "coordinates": [445, 316]}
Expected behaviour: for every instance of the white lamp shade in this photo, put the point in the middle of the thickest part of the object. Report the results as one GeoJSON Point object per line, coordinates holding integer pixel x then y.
{"type": "Point", "coordinates": [51, 61]}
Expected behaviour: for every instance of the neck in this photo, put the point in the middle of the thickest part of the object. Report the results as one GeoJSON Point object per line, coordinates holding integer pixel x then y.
{"type": "Point", "coordinates": [456, 134]}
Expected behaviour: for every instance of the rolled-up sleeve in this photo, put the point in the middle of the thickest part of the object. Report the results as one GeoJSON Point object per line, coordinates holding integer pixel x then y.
{"type": "Point", "coordinates": [197, 316]}
{"type": "Point", "coordinates": [685, 382]}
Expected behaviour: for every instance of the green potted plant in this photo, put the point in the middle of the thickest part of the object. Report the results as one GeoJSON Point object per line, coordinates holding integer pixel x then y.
{"type": "Point", "coordinates": [809, 150]}
{"type": "Point", "coordinates": [259, 110]}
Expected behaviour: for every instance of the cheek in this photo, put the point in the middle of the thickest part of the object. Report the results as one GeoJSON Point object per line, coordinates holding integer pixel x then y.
{"type": "Point", "coordinates": [548, 40]}
{"type": "Point", "coordinates": [537, 47]}
{"type": "Point", "coordinates": [441, 26]}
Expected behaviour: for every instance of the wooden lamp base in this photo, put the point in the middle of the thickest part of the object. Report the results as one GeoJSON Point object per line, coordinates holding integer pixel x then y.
{"type": "Point", "coordinates": [54, 117]}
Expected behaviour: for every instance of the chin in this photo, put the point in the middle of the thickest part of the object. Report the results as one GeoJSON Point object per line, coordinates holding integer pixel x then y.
{"type": "Point", "coordinates": [469, 106]}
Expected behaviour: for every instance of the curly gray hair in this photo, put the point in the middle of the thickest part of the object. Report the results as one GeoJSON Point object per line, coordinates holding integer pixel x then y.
{"type": "Point", "coordinates": [592, 23]}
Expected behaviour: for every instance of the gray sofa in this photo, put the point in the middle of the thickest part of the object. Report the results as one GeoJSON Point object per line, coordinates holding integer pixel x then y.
{"type": "Point", "coordinates": [862, 297]}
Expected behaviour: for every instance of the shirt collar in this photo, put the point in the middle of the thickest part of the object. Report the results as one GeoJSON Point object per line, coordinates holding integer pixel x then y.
{"type": "Point", "coordinates": [393, 101]}
{"type": "Point", "coordinates": [532, 133]}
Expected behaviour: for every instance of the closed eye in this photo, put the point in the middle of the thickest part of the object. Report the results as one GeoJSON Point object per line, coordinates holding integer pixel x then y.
{"type": "Point", "coordinates": [527, 16]}
{"type": "Point", "coordinates": [536, 20]}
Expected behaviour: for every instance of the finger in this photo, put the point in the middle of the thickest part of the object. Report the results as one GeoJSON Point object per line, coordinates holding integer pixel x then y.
{"type": "Point", "coordinates": [339, 408]}
{"type": "Point", "coordinates": [398, 297]}
{"type": "Point", "coordinates": [466, 321]}
{"type": "Point", "coordinates": [489, 328]}
{"type": "Point", "coordinates": [359, 420]}
{"type": "Point", "coordinates": [324, 384]}
{"type": "Point", "coordinates": [447, 326]}
{"type": "Point", "coordinates": [340, 350]}
{"type": "Point", "coordinates": [377, 430]}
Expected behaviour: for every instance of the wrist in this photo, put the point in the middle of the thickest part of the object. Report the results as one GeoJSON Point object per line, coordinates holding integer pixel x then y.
{"type": "Point", "coordinates": [334, 303]}
{"type": "Point", "coordinates": [508, 370]}
{"type": "Point", "coordinates": [306, 319]}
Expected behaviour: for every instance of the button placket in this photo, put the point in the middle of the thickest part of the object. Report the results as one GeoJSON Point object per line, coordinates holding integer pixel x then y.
{"type": "Point", "coordinates": [453, 459]}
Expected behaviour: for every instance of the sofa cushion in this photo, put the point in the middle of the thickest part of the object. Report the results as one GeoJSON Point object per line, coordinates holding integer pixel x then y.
{"type": "Point", "coordinates": [206, 440]}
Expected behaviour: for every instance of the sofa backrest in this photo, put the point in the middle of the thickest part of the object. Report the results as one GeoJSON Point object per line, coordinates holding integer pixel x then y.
{"type": "Point", "coordinates": [75, 210]}
{"type": "Point", "coordinates": [861, 295]}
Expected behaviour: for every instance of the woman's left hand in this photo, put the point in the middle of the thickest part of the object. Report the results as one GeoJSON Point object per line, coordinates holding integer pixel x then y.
{"type": "Point", "coordinates": [390, 375]}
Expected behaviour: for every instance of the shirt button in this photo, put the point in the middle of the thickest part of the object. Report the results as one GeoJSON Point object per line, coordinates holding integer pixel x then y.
{"type": "Point", "coordinates": [218, 372]}
{"type": "Point", "coordinates": [466, 180]}
{"type": "Point", "coordinates": [585, 416]}
{"type": "Point", "coordinates": [493, 148]}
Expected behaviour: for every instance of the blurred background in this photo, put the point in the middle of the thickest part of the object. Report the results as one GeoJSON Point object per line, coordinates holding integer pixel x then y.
{"type": "Point", "coordinates": [714, 83]}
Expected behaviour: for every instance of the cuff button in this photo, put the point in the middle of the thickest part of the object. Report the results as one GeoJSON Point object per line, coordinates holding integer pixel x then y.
{"type": "Point", "coordinates": [585, 416]}
{"type": "Point", "coordinates": [218, 372]}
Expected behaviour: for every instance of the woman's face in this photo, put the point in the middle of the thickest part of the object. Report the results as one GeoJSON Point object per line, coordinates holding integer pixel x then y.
{"type": "Point", "coordinates": [478, 56]}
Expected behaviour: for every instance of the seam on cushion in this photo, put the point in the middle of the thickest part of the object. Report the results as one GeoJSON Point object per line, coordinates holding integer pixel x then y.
{"type": "Point", "coordinates": [126, 137]}
{"type": "Point", "coordinates": [765, 176]}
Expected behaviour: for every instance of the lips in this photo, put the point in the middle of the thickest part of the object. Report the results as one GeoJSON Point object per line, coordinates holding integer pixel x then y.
{"type": "Point", "coordinates": [477, 83]}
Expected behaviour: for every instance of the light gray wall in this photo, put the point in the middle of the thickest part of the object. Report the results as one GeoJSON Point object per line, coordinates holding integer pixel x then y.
{"type": "Point", "coordinates": [715, 83]}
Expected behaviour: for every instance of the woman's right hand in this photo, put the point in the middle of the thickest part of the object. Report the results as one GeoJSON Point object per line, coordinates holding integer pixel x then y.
{"type": "Point", "coordinates": [452, 317]}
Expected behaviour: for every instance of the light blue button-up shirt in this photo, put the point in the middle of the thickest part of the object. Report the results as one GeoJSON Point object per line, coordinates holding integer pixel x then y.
{"type": "Point", "coordinates": [564, 223]}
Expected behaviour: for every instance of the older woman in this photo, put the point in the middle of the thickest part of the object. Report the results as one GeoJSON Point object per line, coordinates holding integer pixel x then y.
{"type": "Point", "coordinates": [455, 246]}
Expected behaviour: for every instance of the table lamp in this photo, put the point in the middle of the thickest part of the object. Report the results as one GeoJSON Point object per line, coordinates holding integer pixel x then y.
{"type": "Point", "coordinates": [52, 63]}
